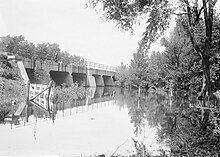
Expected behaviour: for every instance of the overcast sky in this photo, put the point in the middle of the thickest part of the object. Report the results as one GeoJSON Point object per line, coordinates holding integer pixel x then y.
{"type": "Point", "coordinates": [77, 29]}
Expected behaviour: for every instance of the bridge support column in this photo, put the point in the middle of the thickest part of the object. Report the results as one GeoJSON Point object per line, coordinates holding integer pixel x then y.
{"type": "Point", "coordinates": [108, 80]}
{"type": "Point", "coordinates": [99, 81]}
{"type": "Point", "coordinates": [90, 81]}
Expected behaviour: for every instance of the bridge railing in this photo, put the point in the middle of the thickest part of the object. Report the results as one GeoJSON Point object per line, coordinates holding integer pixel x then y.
{"type": "Point", "coordinates": [100, 66]}
{"type": "Point", "coordinates": [31, 63]}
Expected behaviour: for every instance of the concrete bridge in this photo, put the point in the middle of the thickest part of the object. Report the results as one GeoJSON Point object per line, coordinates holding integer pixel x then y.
{"type": "Point", "coordinates": [90, 75]}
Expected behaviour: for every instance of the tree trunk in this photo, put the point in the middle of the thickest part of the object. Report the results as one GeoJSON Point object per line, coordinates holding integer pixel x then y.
{"type": "Point", "coordinates": [139, 96]}
{"type": "Point", "coordinates": [206, 84]}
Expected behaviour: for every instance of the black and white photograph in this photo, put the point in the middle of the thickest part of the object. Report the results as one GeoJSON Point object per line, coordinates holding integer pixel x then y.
{"type": "Point", "coordinates": [109, 78]}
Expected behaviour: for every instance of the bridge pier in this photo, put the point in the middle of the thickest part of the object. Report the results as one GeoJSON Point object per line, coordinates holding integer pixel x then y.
{"type": "Point", "coordinates": [90, 81]}
{"type": "Point", "coordinates": [99, 81]}
{"type": "Point", "coordinates": [108, 80]}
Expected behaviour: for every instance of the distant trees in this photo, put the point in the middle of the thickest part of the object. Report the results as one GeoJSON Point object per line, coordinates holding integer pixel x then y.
{"type": "Point", "coordinates": [20, 47]}
{"type": "Point", "coordinates": [122, 75]}
{"type": "Point", "coordinates": [139, 70]}
{"type": "Point", "coordinates": [135, 75]}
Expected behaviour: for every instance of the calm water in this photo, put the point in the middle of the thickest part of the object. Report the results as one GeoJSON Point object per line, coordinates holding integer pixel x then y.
{"type": "Point", "coordinates": [104, 122]}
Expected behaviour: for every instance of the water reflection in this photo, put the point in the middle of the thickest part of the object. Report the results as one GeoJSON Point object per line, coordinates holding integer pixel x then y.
{"type": "Point", "coordinates": [92, 95]}
{"type": "Point", "coordinates": [92, 124]}
{"type": "Point", "coordinates": [93, 99]}
{"type": "Point", "coordinates": [187, 128]}
{"type": "Point", "coordinates": [110, 116]}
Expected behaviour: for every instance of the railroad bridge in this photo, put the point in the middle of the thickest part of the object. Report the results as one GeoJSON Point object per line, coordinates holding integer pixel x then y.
{"type": "Point", "coordinates": [90, 75]}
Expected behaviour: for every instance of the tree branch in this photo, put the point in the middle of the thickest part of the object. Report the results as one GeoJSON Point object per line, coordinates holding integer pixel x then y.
{"type": "Point", "coordinates": [200, 11]}
{"type": "Point", "coordinates": [190, 30]}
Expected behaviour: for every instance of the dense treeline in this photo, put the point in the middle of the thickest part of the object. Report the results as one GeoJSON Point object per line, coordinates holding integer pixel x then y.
{"type": "Point", "coordinates": [179, 67]}
{"type": "Point", "coordinates": [20, 47]}
{"type": "Point", "coordinates": [188, 126]}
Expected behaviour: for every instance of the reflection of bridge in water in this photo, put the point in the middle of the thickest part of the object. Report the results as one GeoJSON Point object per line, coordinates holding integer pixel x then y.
{"type": "Point", "coordinates": [95, 98]}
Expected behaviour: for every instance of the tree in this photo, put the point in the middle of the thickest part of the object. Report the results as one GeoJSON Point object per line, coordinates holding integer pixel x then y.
{"type": "Point", "coordinates": [182, 62]}
{"type": "Point", "coordinates": [47, 51]}
{"type": "Point", "coordinates": [22, 49]}
{"type": "Point", "coordinates": [26, 50]}
{"type": "Point", "coordinates": [12, 43]}
{"type": "Point", "coordinates": [158, 14]}
{"type": "Point", "coordinates": [122, 74]}
{"type": "Point", "coordinates": [157, 70]}
{"type": "Point", "coordinates": [18, 46]}
{"type": "Point", "coordinates": [139, 70]}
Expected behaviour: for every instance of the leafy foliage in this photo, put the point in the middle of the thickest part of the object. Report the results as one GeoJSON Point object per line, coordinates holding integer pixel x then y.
{"type": "Point", "coordinates": [45, 52]}
{"type": "Point", "coordinates": [138, 69]}
{"type": "Point", "coordinates": [126, 13]}
{"type": "Point", "coordinates": [122, 75]}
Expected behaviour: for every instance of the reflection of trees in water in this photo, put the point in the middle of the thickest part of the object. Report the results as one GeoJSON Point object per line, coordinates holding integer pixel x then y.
{"type": "Point", "coordinates": [186, 129]}
{"type": "Point", "coordinates": [151, 107]}
{"type": "Point", "coordinates": [136, 112]}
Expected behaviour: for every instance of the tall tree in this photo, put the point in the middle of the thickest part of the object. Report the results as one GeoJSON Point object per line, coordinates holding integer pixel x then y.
{"type": "Point", "coordinates": [139, 70]}
{"type": "Point", "coordinates": [122, 74]}
{"type": "Point", "coordinates": [12, 43]}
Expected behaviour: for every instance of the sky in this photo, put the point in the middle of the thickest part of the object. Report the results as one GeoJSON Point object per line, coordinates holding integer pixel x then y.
{"type": "Point", "coordinates": [77, 29]}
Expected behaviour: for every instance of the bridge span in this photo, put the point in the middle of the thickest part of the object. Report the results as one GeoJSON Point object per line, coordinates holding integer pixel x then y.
{"type": "Point", "coordinates": [90, 75]}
